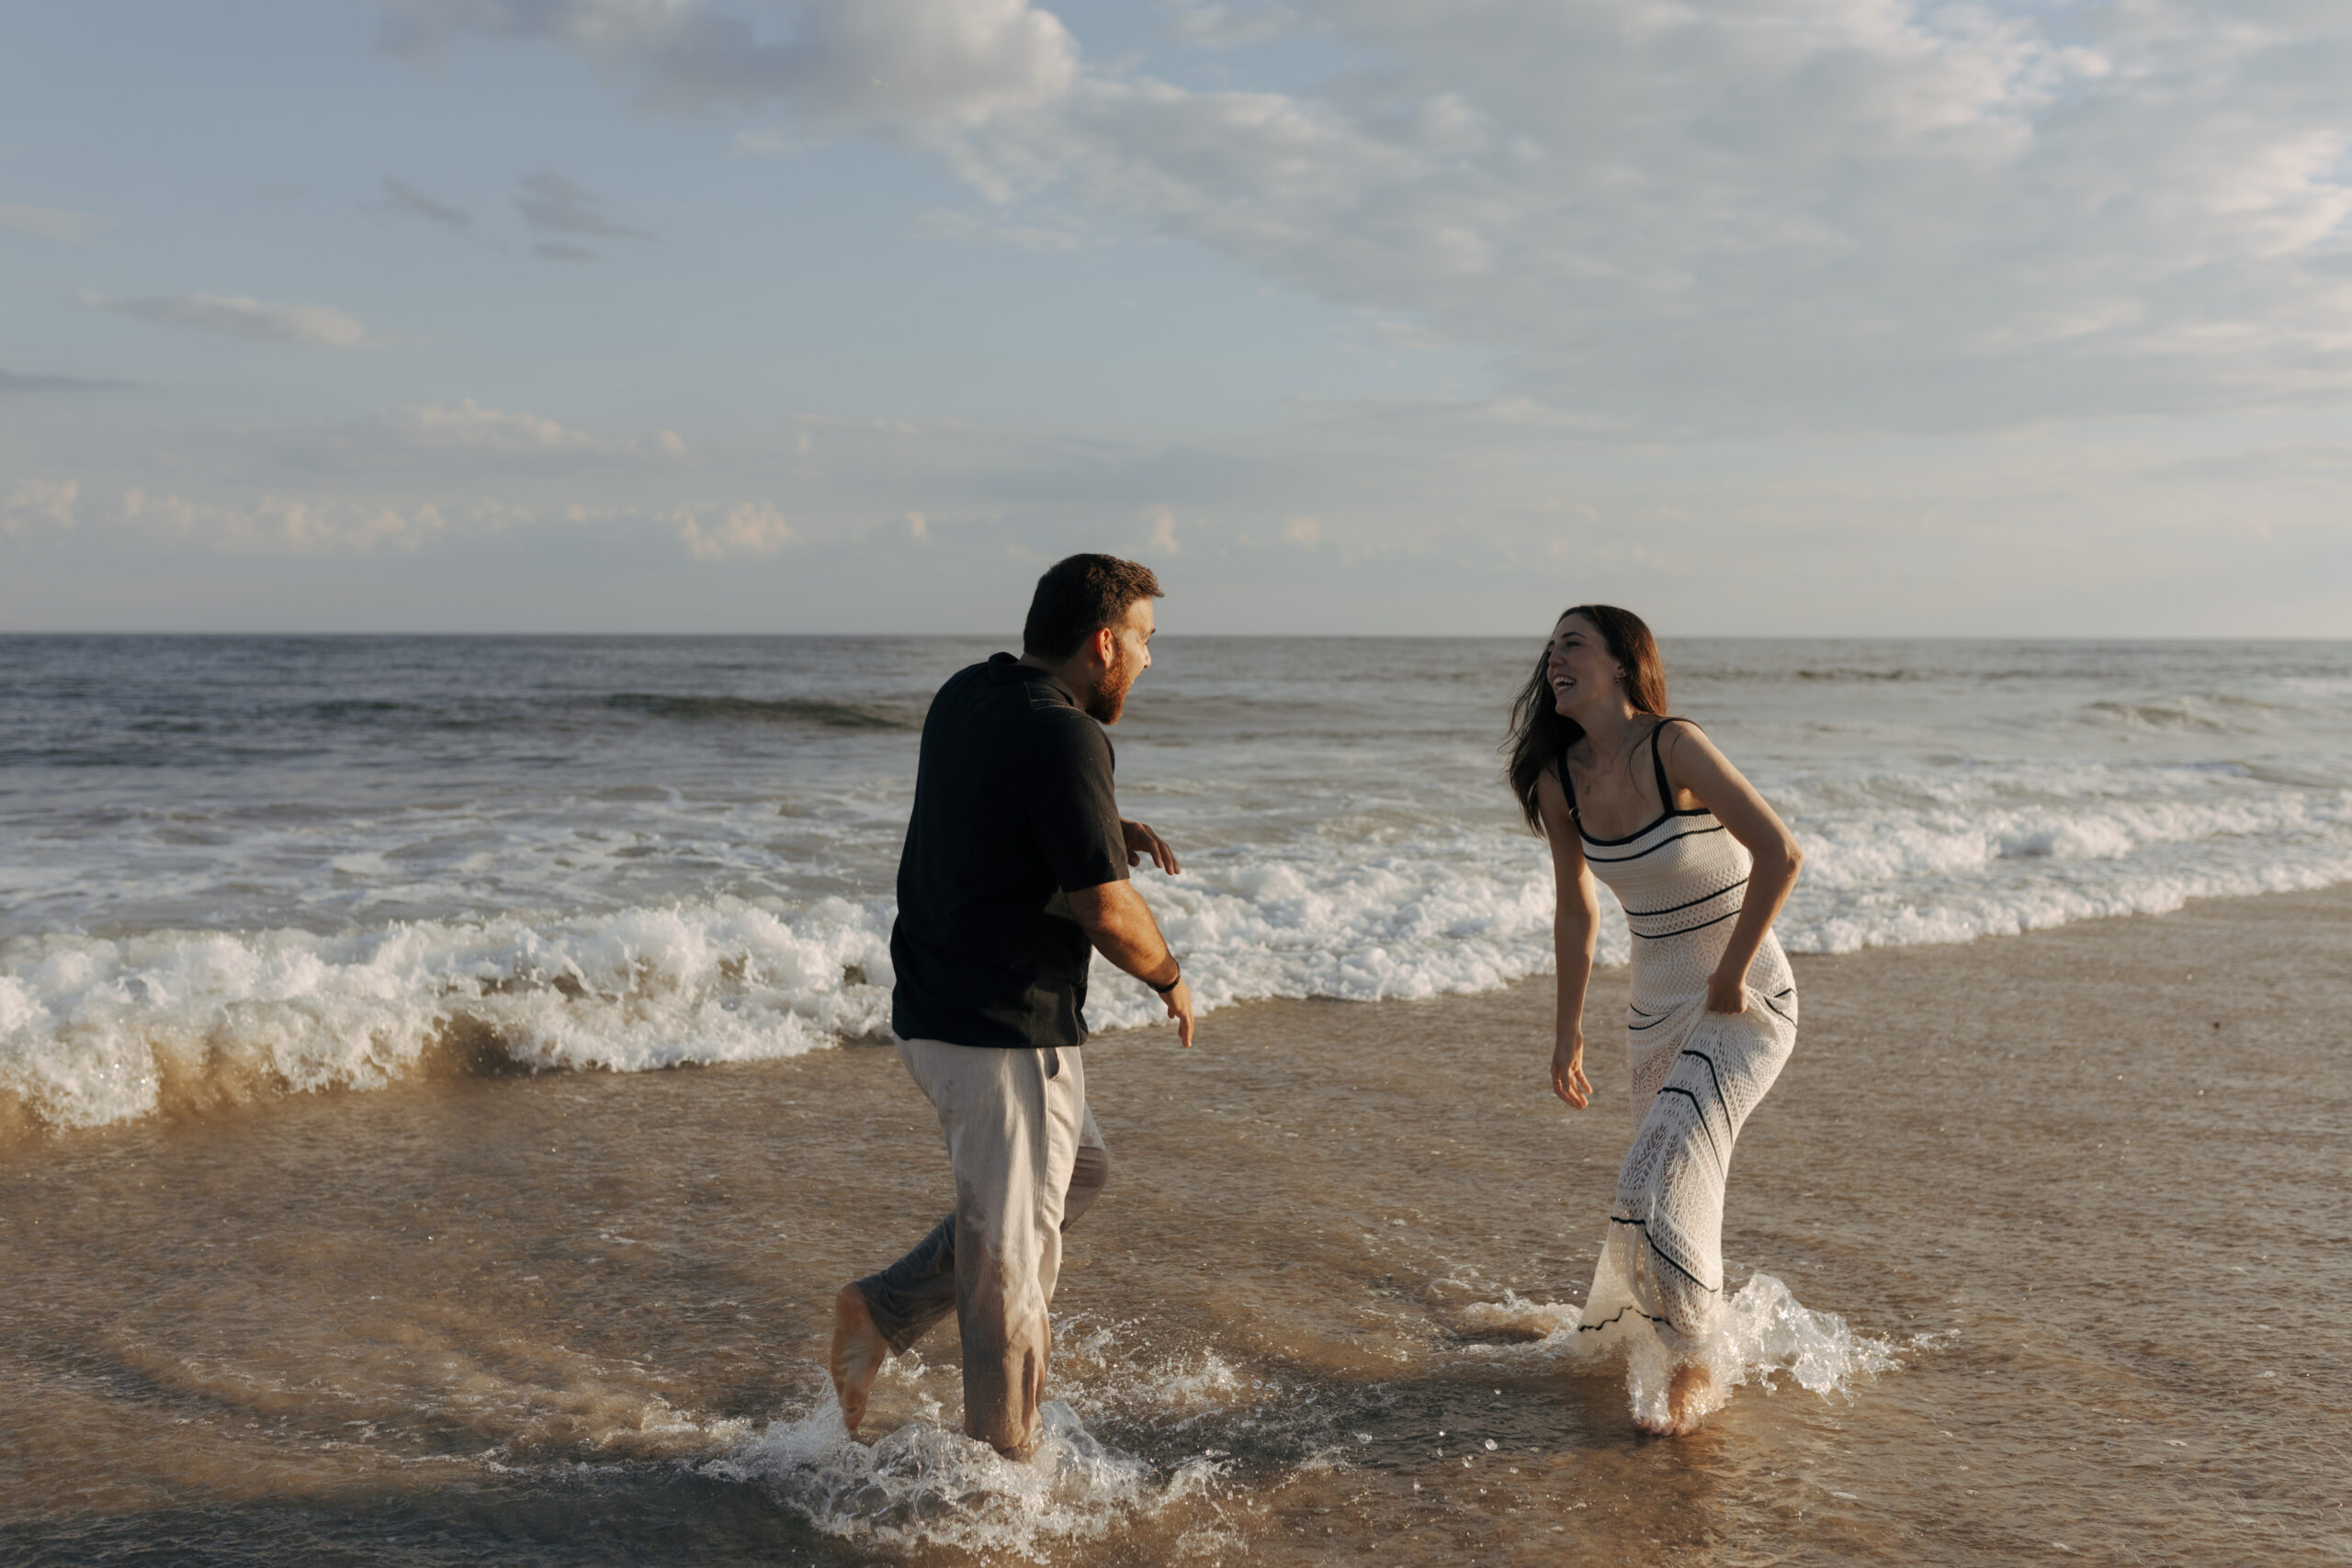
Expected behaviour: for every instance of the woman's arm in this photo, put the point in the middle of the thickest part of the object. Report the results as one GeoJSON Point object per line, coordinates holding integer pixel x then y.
{"type": "Point", "coordinates": [1576, 923]}
{"type": "Point", "coordinates": [1694, 764]}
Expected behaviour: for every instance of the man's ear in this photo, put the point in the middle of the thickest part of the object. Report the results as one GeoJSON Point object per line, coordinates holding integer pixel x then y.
{"type": "Point", "coordinates": [1106, 647]}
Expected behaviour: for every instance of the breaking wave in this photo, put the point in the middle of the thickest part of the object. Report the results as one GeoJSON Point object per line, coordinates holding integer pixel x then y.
{"type": "Point", "coordinates": [97, 1029]}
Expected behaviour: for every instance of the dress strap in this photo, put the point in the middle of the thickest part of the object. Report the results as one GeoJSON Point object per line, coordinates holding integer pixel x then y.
{"type": "Point", "coordinates": [1657, 765]}
{"type": "Point", "coordinates": [1568, 786]}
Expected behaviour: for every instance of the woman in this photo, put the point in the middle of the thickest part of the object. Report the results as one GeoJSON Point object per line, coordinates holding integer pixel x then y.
{"type": "Point", "coordinates": [1702, 866]}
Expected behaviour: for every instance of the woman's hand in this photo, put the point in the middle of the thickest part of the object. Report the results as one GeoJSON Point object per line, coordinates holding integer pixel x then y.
{"type": "Point", "coordinates": [1567, 1073]}
{"type": "Point", "coordinates": [1728, 992]}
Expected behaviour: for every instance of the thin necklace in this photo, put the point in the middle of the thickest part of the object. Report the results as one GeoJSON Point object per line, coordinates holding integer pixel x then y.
{"type": "Point", "coordinates": [1625, 756]}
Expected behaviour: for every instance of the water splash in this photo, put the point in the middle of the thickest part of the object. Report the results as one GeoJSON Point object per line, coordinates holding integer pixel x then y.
{"type": "Point", "coordinates": [924, 1485]}
{"type": "Point", "coordinates": [1765, 1334]}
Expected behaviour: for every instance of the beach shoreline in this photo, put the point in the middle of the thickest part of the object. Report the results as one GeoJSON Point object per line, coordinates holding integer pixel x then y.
{"type": "Point", "coordinates": [2083, 1183]}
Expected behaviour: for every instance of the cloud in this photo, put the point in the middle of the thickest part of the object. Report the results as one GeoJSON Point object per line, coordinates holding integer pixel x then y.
{"type": "Point", "coordinates": [405, 197]}
{"type": "Point", "coordinates": [439, 429]}
{"type": "Point", "coordinates": [13, 381]}
{"type": "Point", "coordinates": [314, 326]}
{"type": "Point", "coordinates": [36, 504]}
{"type": "Point", "coordinates": [283, 525]}
{"type": "Point", "coordinates": [914, 68]}
{"type": "Point", "coordinates": [1058, 235]}
{"type": "Point", "coordinates": [1229, 27]}
{"type": "Point", "coordinates": [463, 437]}
{"type": "Point", "coordinates": [1740, 216]}
{"type": "Point", "coordinates": [1163, 536]}
{"type": "Point", "coordinates": [60, 224]}
{"type": "Point", "coordinates": [746, 528]}
{"type": "Point", "coordinates": [276, 525]}
{"type": "Point", "coordinates": [553, 205]}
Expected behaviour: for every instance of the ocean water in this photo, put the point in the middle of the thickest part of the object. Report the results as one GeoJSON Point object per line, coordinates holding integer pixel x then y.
{"type": "Point", "coordinates": [343, 1216]}
{"type": "Point", "coordinates": [239, 867]}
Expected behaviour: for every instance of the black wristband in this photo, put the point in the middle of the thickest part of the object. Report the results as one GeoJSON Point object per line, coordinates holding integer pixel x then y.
{"type": "Point", "coordinates": [1172, 984]}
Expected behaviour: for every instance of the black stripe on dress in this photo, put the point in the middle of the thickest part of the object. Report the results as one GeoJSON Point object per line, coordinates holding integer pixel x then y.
{"type": "Point", "coordinates": [1619, 860]}
{"type": "Point", "coordinates": [1683, 930]}
{"type": "Point", "coordinates": [1673, 908]}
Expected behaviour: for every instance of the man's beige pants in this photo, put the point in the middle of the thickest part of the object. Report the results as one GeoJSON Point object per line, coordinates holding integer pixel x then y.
{"type": "Point", "coordinates": [1028, 1160]}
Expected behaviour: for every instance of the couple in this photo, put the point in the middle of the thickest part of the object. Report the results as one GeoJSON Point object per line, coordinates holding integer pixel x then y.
{"type": "Point", "coordinates": [1015, 872]}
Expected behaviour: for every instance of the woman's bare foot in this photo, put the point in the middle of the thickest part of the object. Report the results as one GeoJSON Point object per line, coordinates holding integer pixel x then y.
{"type": "Point", "coordinates": [1690, 1399]}
{"type": "Point", "coordinates": [859, 1351]}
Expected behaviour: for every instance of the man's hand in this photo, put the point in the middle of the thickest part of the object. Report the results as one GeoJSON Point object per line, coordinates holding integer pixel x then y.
{"type": "Point", "coordinates": [1142, 842]}
{"type": "Point", "coordinates": [1119, 923]}
{"type": "Point", "coordinates": [1180, 1008]}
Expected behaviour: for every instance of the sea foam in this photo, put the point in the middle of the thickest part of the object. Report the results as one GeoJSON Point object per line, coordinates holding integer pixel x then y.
{"type": "Point", "coordinates": [96, 1030]}
{"type": "Point", "coordinates": [1766, 1335]}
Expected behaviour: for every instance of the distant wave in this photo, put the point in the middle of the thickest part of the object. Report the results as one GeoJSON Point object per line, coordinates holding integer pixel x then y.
{"type": "Point", "coordinates": [1852, 674]}
{"type": "Point", "coordinates": [2212, 714]}
{"type": "Point", "coordinates": [766, 710]}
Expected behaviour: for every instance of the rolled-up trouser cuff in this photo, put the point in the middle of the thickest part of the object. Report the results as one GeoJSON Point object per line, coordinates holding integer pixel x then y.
{"type": "Point", "coordinates": [906, 1299]}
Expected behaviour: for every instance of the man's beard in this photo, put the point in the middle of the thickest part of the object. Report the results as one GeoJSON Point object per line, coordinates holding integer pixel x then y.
{"type": "Point", "coordinates": [1109, 697]}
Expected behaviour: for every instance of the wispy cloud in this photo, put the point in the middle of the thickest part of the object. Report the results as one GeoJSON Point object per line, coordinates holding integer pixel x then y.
{"type": "Point", "coordinates": [62, 225]}
{"type": "Point", "coordinates": [559, 211]}
{"type": "Point", "coordinates": [14, 381]}
{"type": "Point", "coordinates": [276, 525]}
{"type": "Point", "coordinates": [35, 504]}
{"type": "Point", "coordinates": [745, 528]}
{"type": "Point", "coordinates": [405, 197]}
{"type": "Point", "coordinates": [440, 439]}
{"type": "Point", "coordinates": [914, 67]}
{"type": "Point", "coordinates": [233, 315]}
{"type": "Point", "coordinates": [1056, 234]}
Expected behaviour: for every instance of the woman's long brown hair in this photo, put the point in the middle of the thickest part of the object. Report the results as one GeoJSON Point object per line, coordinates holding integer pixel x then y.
{"type": "Point", "coordinates": [1538, 733]}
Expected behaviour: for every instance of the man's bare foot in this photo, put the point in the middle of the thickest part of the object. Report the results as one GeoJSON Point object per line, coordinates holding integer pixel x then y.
{"type": "Point", "coordinates": [1690, 1399]}
{"type": "Point", "coordinates": [859, 1351]}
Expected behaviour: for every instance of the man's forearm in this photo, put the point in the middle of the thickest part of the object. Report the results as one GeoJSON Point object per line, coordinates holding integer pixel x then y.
{"type": "Point", "coordinates": [1119, 923]}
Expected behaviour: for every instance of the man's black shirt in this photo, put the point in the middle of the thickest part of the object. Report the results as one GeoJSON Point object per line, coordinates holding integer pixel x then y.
{"type": "Point", "coordinates": [1013, 808]}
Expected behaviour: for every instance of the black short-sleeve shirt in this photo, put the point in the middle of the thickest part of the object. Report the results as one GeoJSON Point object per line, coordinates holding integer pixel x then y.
{"type": "Point", "coordinates": [1013, 808]}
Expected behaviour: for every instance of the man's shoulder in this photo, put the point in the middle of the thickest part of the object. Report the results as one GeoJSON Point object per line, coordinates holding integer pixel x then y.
{"type": "Point", "coordinates": [973, 687]}
{"type": "Point", "coordinates": [1015, 693]}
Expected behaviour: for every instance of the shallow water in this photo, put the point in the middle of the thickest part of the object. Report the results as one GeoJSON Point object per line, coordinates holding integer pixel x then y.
{"type": "Point", "coordinates": [2085, 1187]}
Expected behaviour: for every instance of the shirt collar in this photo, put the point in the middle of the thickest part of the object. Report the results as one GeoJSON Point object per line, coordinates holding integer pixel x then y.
{"type": "Point", "coordinates": [1008, 666]}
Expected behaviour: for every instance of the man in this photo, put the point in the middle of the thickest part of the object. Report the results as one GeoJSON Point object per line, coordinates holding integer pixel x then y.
{"type": "Point", "coordinates": [1014, 873]}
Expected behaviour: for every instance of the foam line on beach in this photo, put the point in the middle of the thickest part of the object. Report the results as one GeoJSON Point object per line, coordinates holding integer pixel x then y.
{"type": "Point", "coordinates": [98, 1030]}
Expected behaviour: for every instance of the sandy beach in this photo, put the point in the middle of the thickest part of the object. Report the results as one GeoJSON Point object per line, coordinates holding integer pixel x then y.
{"type": "Point", "coordinates": [2086, 1186]}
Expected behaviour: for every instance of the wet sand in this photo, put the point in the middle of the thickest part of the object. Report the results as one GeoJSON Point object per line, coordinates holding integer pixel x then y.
{"type": "Point", "coordinates": [2088, 1185]}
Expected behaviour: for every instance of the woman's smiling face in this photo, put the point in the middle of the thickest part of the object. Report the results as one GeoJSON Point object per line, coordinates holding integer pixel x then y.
{"type": "Point", "coordinates": [1581, 666]}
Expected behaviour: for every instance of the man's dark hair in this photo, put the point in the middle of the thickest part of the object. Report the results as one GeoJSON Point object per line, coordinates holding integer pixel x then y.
{"type": "Point", "coordinates": [1079, 596]}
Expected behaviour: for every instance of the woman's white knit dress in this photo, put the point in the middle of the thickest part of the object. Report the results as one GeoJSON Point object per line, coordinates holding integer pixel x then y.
{"type": "Point", "coordinates": [1696, 1074]}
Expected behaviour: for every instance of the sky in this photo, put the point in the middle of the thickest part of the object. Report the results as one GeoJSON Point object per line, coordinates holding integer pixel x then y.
{"type": "Point", "coordinates": [1760, 317]}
